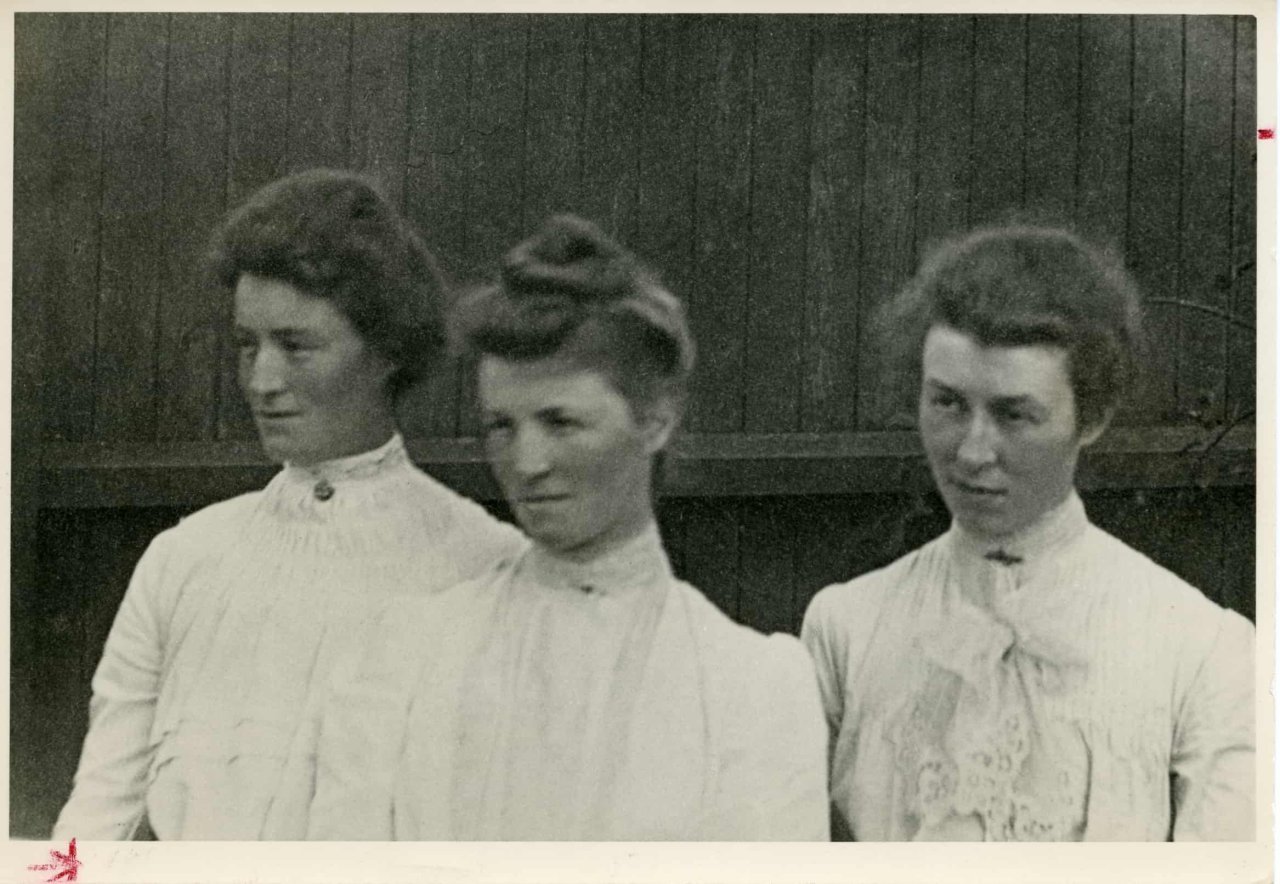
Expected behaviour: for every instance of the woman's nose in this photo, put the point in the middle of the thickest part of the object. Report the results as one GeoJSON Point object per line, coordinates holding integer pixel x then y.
{"type": "Point", "coordinates": [978, 444]}
{"type": "Point", "coordinates": [530, 455]}
{"type": "Point", "coordinates": [265, 373]}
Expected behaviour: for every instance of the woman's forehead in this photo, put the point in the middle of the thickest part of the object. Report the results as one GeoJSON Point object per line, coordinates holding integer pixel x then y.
{"type": "Point", "coordinates": [538, 383]}
{"type": "Point", "coordinates": [957, 360]}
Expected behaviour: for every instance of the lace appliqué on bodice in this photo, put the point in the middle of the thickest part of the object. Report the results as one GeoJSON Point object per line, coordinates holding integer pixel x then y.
{"type": "Point", "coordinates": [975, 796]}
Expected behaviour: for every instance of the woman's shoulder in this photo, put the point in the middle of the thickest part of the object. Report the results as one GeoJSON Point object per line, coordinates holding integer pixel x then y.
{"type": "Point", "coordinates": [207, 530]}
{"type": "Point", "coordinates": [451, 513]}
{"type": "Point", "coordinates": [1151, 591]}
{"type": "Point", "coordinates": [742, 651]}
{"type": "Point", "coordinates": [839, 606]}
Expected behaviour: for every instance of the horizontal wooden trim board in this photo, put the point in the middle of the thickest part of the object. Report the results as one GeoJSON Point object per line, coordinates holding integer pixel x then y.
{"type": "Point", "coordinates": [77, 475]}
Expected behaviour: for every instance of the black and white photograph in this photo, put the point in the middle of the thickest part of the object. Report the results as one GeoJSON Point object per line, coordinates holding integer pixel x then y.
{"type": "Point", "coordinates": [648, 427]}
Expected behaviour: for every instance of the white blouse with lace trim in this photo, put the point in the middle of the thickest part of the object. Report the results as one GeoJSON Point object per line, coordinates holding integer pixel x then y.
{"type": "Point", "coordinates": [232, 619]}
{"type": "Point", "coordinates": [1046, 694]}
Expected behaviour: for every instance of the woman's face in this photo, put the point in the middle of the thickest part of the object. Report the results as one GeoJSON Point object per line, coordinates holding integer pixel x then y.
{"type": "Point", "coordinates": [316, 390]}
{"type": "Point", "coordinates": [999, 428]}
{"type": "Point", "coordinates": [572, 458]}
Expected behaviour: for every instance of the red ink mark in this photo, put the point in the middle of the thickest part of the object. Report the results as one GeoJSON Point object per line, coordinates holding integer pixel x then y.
{"type": "Point", "coordinates": [65, 864]}
{"type": "Point", "coordinates": [1266, 134]}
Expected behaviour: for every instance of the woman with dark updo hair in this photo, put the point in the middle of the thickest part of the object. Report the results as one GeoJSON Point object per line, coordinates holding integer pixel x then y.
{"type": "Point", "coordinates": [1027, 676]}
{"type": "Point", "coordinates": [580, 691]}
{"type": "Point", "coordinates": [234, 617]}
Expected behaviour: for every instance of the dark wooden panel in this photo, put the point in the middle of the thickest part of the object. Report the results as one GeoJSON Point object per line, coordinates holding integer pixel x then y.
{"type": "Point", "coordinates": [1154, 189]}
{"type": "Point", "coordinates": [259, 103]}
{"type": "Point", "coordinates": [40, 250]}
{"type": "Point", "coordinates": [1206, 215]}
{"type": "Point", "coordinates": [62, 59]}
{"type": "Point", "coordinates": [999, 117]}
{"type": "Point", "coordinates": [46, 733]}
{"type": "Point", "coordinates": [766, 576]}
{"type": "Point", "coordinates": [380, 99]}
{"type": "Point", "coordinates": [495, 138]}
{"type": "Point", "coordinates": [780, 201]}
{"type": "Point", "coordinates": [132, 271]}
{"type": "Point", "coordinates": [192, 309]}
{"type": "Point", "coordinates": [838, 126]}
{"type": "Point", "coordinates": [436, 184]}
{"type": "Point", "coordinates": [495, 150]}
{"type": "Point", "coordinates": [946, 125]}
{"type": "Point", "coordinates": [610, 166]}
{"type": "Point", "coordinates": [888, 196]}
{"type": "Point", "coordinates": [709, 465]}
{"type": "Point", "coordinates": [666, 146]}
{"type": "Point", "coordinates": [1242, 350]}
{"type": "Point", "coordinates": [1053, 122]}
{"type": "Point", "coordinates": [1238, 569]}
{"type": "Point", "coordinates": [1105, 104]}
{"type": "Point", "coordinates": [710, 551]}
{"type": "Point", "coordinates": [722, 220]}
{"type": "Point", "coordinates": [320, 112]}
{"type": "Point", "coordinates": [554, 132]}
{"type": "Point", "coordinates": [257, 144]}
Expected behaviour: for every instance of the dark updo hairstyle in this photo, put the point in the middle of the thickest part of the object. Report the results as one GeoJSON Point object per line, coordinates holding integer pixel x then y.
{"type": "Point", "coordinates": [1012, 286]}
{"type": "Point", "coordinates": [333, 235]}
{"type": "Point", "coordinates": [571, 291]}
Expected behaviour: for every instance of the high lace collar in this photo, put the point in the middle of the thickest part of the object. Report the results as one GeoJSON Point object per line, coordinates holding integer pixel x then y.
{"type": "Point", "coordinates": [1030, 546]}
{"type": "Point", "coordinates": [639, 563]}
{"type": "Point", "coordinates": [355, 467]}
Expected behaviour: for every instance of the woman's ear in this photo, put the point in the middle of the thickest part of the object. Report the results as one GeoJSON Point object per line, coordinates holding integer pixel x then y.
{"type": "Point", "coordinates": [659, 423]}
{"type": "Point", "coordinates": [1090, 434]}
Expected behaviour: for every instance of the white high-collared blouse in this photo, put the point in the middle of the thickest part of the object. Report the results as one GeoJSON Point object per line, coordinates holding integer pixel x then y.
{"type": "Point", "coordinates": [564, 701]}
{"type": "Point", "coordinates": [232, 621]}
{"type": "Point", "coordinates": [1067, 689]}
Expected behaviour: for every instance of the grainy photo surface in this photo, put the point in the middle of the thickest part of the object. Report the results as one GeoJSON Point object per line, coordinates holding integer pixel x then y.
{"type": "Point", "coordinates": [768, 191]}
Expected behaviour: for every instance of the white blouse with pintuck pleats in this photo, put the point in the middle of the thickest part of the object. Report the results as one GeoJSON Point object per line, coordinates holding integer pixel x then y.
{"type": "Point", "coordinates": [557, 700]}
{"type": "Point", "coordinates": [233, 620]}
{"type": "Point", "coordinates": [1061, 687]}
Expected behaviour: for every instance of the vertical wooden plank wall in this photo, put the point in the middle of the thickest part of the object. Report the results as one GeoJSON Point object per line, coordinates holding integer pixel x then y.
{"type": "Point", "coordinates": [784, 173]}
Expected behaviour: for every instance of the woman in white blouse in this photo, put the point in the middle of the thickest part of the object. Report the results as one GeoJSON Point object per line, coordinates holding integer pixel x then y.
{"type": "Point", "coordinates": [580, 691]}
{"type": "Point", "coordinates": [1027, 676]}
{"type": "Point", "coordinates": [233, 617]}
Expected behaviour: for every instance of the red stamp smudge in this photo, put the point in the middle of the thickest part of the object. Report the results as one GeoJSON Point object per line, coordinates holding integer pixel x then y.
{"type": "Point", "coordinates": [64, 865]}
{"type": "Point", "coordinates": [1266, 134]}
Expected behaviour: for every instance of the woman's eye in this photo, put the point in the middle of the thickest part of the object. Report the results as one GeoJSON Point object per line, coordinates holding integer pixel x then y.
{"type": "Point", "coordinates": [560, 423]}
{"type": "Point", "coordinates": [1016, 416]}
{"type": "Point", "coordinates": [296, 348]}
{"type": "Point", "coordinates": [945, 402]}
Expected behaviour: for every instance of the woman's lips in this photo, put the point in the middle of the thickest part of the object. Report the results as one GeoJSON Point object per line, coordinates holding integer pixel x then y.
{"type": "Point", "coordinates": [542, 499]}
{"type": "Point", "coordinates": [977, 490]}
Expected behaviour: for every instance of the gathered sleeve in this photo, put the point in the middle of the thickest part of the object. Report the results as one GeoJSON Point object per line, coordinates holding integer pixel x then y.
{"type": "Point", "coordinates": [108, 800]}
{"type": "Point", "coordinates": [773, 772]}
{"type": "Point", "coordinates": [1213, 743]}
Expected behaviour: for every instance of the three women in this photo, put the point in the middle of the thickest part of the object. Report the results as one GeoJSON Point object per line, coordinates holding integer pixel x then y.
{"type": "Point", "coordinates": [357, 653]}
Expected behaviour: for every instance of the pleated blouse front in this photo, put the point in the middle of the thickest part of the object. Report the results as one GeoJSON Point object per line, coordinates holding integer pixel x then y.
{"type": "Point", "coordinates": [233, 619]}
{"type": "Point", "coordinates": [568, 701]}
{"type": "Point", "coordinates": [1060, 687]}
